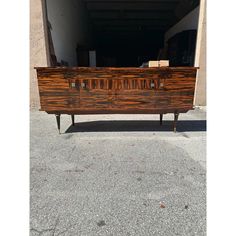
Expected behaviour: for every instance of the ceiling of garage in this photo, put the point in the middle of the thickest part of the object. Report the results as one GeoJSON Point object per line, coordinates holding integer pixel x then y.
{"type": "Point", "coordinates": [133, 15]}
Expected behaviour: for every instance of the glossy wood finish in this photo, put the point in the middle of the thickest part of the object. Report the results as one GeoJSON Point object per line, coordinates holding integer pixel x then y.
{"type": "Point", "coordinates": [84, 90]}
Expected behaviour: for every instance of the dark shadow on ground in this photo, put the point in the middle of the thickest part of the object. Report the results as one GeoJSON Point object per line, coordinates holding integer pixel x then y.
{"type": "Point", "coordinates": [137, 125]}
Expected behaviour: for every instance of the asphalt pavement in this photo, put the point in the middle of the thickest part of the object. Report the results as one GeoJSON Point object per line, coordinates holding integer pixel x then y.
{"type": "Point", "coordinates": [118, 175]}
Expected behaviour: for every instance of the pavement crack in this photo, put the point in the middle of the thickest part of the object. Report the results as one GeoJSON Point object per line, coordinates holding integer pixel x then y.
{"type": "Point", "coordinates": [53, 229]}
{"type": "Point", "coordinates": [64, 231]}
{"type": "Point", "coordinates": [40, 232]}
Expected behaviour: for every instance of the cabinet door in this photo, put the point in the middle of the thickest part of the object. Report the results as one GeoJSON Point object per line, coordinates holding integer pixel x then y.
{"type": "Point", "coordinates": [114, 95]}
{"type": "Point", "coordinates": [89, 94]}
{"type": "Point", "coordinates": [177, 86]}
{"type": "Point", "coordinates": [134, 94]}
{"type": "Point", "coordinates": [53, 90]}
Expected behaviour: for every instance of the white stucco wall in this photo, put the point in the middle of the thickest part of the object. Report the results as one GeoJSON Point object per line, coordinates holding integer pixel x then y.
{"type": "Point", "coordinates": [69, 22]}
{"type": "Point", "coordinates": [38, 48]}
{"type": "Point", "coordinates": [200, 58]}
{"type": "Point", "coordinates": [189, 22]}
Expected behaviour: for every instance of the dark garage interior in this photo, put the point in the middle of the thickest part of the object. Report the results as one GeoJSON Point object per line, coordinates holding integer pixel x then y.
{"type": "Point", "coordinates": [121, 33]}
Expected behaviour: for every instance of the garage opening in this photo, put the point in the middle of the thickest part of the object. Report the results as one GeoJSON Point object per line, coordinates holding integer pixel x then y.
{"type": "Point", "coordinates": [121, 33]}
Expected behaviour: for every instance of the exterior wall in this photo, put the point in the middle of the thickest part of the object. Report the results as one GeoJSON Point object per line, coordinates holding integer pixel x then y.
{"type": "Point", "coordinates": [38, 48]}
{"type": "Point", "coordinates": [69, 26]}
{"type": "Point", "coordinates": [200, 58]}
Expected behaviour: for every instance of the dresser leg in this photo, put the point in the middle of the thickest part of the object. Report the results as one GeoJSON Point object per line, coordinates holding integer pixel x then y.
{"type": "Point", "coordinates": [176, 115]}
{"type": "Point", "coordinates": [73, 119]}
{"type": "Point", "coordinates": [161, 117]}
{"type": "Point", "coordinates": [58, 118]}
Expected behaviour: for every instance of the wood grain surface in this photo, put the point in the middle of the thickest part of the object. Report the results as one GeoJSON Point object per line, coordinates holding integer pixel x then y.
{"type": "Point", "coordinates": [85, 90]}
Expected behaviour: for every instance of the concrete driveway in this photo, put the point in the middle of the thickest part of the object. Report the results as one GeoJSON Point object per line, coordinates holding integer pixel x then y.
{"type": "Point", "coordinates": [118, 175]}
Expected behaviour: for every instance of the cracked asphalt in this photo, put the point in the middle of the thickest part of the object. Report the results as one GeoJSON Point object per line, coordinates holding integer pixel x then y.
{"type": "Point", "coordinates": [118, 175]}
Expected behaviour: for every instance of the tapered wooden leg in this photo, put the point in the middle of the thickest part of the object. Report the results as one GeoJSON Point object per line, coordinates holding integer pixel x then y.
{"type": "Point", "coordinates": [176, 115]}
{"type": "Point", "coordinates": [161, 117]}
{"type": "Point", "coordinates": [58, 116]}
{"type": "Point", "coordinates": [73, 119]}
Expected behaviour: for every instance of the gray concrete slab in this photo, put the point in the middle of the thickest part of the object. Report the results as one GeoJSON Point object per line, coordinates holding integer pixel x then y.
{"type": "Point", "coordinates": [118, 175]}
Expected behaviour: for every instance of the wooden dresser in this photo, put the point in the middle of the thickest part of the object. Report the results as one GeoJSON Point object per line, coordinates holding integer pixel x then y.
{"type": "Point", "coordinates": [105, 90]}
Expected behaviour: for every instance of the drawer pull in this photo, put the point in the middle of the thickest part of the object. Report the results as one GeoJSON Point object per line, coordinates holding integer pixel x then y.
{"type": "Point", "coordinates": [83, 85]}
{"type": "Point", "coordinates": [73, 85]}
{"type": "Point", "coordinates": [152, 85]}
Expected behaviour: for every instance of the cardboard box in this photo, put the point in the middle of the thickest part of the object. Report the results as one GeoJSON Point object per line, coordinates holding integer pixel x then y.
{"type": "Point", "coordinates": [153, 64]}
{"type": "Point", "coordinates": [160, 63]}
{"type": "Point", "coordinates": [163, 63]}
